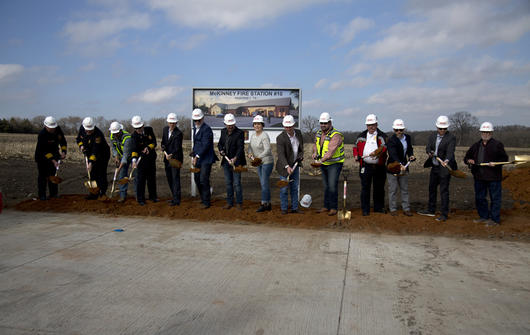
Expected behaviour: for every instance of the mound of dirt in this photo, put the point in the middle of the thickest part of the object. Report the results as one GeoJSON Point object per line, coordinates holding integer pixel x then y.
{"type": "Point", "coordinates": [518, 182]}
{"type": "Point", "coordinates": [460, 224]}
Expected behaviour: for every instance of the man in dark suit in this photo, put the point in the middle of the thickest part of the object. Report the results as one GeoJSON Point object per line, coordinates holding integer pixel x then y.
{"type": "Point", "coordinates": [441, 147]}
{"type": "Point", "coordinates": [232, 147]}
{"type": "Point", "coordinates": [172, 147]}
{"type": "Point", "coordinates": [290, 149]}
{"type": "Point", "coordinates": [203, 155]}
{"type": "Point", "coordinates": [144, 144]}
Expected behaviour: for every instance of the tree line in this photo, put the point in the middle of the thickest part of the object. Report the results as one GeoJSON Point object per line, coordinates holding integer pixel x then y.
{"type": "Point", "coordinates": [463, 125]}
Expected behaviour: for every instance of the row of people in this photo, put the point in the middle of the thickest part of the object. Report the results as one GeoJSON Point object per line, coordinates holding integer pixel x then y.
{"type": "Point", "coordinates": [379, 158]}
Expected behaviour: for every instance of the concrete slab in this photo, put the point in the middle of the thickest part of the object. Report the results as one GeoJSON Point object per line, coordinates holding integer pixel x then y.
{"type": "Point", "coordinates": [72, 274]}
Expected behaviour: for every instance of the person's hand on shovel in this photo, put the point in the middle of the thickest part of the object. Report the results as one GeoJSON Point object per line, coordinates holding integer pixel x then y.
{"type": "Point", "coordinates": [63, 155]}
{"type": "Point", "coordinates": [55, 163]}
{"type": "Point", "coordinates": [89, 166]}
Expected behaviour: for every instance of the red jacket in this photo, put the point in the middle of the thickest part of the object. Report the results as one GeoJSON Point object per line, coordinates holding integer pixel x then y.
{"type": "Point", "coordinates": [358, 147]}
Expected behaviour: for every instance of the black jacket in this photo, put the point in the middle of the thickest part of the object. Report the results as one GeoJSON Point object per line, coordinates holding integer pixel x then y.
{"type": "Point", "coordinates": [233, 145]}
{"type": "Point", "coordinates": [48, 145]}
{"type": "Point", "coordinates": [173, 146]}
{"type": "Point", "coordinates": [493, 152]}
{"type": "Point", "coordinates": [95, 145]}
{"type": "Point", "coordinates": [395, 150]}
{"type": "Point", "coordinates": [446, 149]}
{"type": "Point", "coordinates": [141, 141]}
{"type": "Point", "coordinates": [285, 151]}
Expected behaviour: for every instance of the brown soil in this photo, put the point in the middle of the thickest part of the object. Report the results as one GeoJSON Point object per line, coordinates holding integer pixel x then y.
{"type": "Point", "coordinates": [19, 187]}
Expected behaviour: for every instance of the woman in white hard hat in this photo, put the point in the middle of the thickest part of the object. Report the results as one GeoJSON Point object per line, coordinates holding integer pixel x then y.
{"type": "Point", "coordinates": [93, 145]}
{"type": "Point", "coordinates": [260, 147]}
{"type": "Point", "coordinates": [441, 145]}
{"type": "Point", "coordinates": [51, 148]}
{"type": "Point", "coordinates": [231, 146]}
{"type": "Point", "coordinates": [399, 151]}
{"type": "Point", "coordinates": [488, 179]}
{"type": "Point", "coordinates": [172, 148]}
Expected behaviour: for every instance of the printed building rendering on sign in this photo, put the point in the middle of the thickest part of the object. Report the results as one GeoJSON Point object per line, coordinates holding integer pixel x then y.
{"type": "Point", "coordinates": [245, 104]}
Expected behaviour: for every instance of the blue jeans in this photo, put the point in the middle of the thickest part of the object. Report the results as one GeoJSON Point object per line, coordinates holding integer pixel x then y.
{"type": "Point", "coordinates": [330, 179]}
{"type": "Point", "coordinates": [293, 188]}
{"type": "Point", "coordinates": [264, 173]}
{"type": "Point", "coordinates": [202, 180]}
{"type": "Point", "coordinates": [495, 191]}
{"type": "Point", "coordinates": [232, 181]}
{"type": "Point", "coordinates": [124, 172]}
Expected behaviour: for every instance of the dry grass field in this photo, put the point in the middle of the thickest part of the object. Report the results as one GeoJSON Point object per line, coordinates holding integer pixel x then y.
{"type": "Point", "coordinates": [22, 146]}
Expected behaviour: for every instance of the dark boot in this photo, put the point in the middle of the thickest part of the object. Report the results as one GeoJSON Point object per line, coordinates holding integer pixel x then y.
{"type": "Point", "coordinates": [262, 208]}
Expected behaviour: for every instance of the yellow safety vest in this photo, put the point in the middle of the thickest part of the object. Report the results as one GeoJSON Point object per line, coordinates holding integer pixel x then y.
{"type": "Point", "coordinates": [322, 148]}
{"type": "Point", "coordinates": [118, 145]}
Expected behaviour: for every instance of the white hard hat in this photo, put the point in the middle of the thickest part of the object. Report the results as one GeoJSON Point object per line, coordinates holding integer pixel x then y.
{"type": "Point", "coordinates": [229, 119]}
{"type": "Point", "coordinates": [50, 122]}
{"type": "Point", "coordinates": [88, 123]}
{"type": "Point", "coordinates": [137, 121]}
{"type": "Point", "coordinates": [486, 127]}
{"type": "Point", "coordinates": [172, 118]}
{"type": "Point", "coordinates": [398, 124]}
{"type": "Point", "coordinates": [442, 122]}
{"type": "Point", "coordinates": [197, 114]}
{"type": "Point", "coordinates": [371, 119]}
{"type": "Point", "coordinates": [288, 121]}
{"type": "Point", "coordinates": [115, 127]}
{"type": "Point", "coordinates": [306, 201]}
{"type": "Point", "coordinates": [258, 119]}
{"type": "Point", "coordinates": [325, 118]}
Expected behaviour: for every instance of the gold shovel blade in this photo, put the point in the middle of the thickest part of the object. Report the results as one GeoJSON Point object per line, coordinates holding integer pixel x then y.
{"type": "Point", "coordinates": [123, 181]}
{"type": "Point", "coordinates": [55, 179]}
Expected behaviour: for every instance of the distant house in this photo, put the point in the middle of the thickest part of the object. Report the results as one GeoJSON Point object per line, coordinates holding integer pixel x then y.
{"type": "Point", "coordinates": [266, 107]}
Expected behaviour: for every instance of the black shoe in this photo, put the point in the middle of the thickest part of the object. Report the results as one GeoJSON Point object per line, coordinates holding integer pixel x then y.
{"type": "Point", "coordinates": [174, 203]}
{"type": "Point", "coordinates": [141, 203]}
{"type": "Point", "coordinates": [268, 207]}
{"type": "Point", "coordinates": [366, 213]}
{"type": "Point", "coordinates": [154, 200]}
{"type": "Point", "coordinates": [43, 198]}
{"type": "Point", "coordinates": [284, 212]}
{"type": "Point", "coordinates": [441, 218]}
{"type": "Point", "coordinates": [204, 206]}
{"type": "Point", "coordinates": [426, 212]}
{"type": "Point", "coordinates": [297, 211]}
{"type": "Point", "coordinates": [91, 197]}
{"type": "Point", "coordinates": [261, 208]}
{"type": "Point", "coordinates": [380, 211]}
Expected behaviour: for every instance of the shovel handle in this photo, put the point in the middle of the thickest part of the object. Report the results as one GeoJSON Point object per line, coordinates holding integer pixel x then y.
{"type": "Point", "coordinates": [442, 162]}
{"type": "Point", "coordinates": [344, 192]}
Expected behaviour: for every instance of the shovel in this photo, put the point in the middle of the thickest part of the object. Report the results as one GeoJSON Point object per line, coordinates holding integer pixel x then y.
{"type": "Point", "coordinates": [55, 179]}
{"type": "Point", "coordinates": [90, 184]}
{"type": "Point", "coordinates": [283, 183]}
{"type": "Point", "coordinates": [175, 163]}
{"type": "Point", "coordinates": [256, 161]}
{"type": "Point", "coordinates": [114, 182]}
{"type": "Point", "coordinates": [125, 180]}
{"type": "Point", "coordinates": [344, 214]}
{"type": "Point", "coordinates": [237, 169]}
{"type": "Point", "coordinates": [454, 173]}
{"type": "Point", "coordinates": [520, 161]}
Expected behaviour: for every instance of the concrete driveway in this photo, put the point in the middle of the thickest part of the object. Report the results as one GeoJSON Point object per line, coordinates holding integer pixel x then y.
{"type": "Point", "coordinates": [73, 274]}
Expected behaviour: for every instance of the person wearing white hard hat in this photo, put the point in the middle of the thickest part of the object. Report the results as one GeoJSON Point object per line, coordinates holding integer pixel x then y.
{"type": "Point", "coordinates": [441, 145]}
{"type": "Point", "coordinates": [172, 148]}
{"type": "Point", "coordinates": [144, 159]}
{"type": "Point", "coordinates": [260, 147]}
{"type": "Point", "coordinates": [93, 145]}
{"type": "Point", "coordinates": [370, 151]}
{"type": "Point", "coordinates": [121, 149]}
{"type": "Point", "coordinates": [290, 150]}
{"type": "Point", "coordinates": [329, 150]}
{"type": "Point", "coordinates": [231, 147]}
{"type": "Point", "coordinates": [203, 156]}
{"type": "Point", "coordinates": [488, 178]}
{"type": "Point", "coordinates": [50, 150]}
{"type": "Point", "coordinates": [400, 152]}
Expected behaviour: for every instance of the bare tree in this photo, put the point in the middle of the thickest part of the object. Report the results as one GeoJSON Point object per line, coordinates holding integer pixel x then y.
{"type": "Point", "coordinates": [310, 126]}
{"type": "Point", "coordinates": [464, 126]}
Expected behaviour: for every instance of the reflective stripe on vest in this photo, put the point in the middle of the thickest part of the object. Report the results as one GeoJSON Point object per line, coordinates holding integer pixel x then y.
{"type": "Point", "coordinates": [338, 155]}
{"type": "Point", "coordinates": [119, 146]}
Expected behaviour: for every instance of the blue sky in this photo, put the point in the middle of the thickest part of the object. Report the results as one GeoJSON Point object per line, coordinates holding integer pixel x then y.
{"type": "Point", "coordinates": [413, 60]}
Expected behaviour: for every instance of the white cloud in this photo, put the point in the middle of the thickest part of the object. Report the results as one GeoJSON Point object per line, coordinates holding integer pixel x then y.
{"type": "Point", "coordinates": [227, 15]}
{"type": "Point", "coordinates": [88, 67]}
{"type": "Point", "coordinates": [169, 79]}
{"type": "Point", "coordinates": [189, 43]}
{"type": "Point", "coordinates": [100, 36]}
{"type": "Point", "coordinates": [452, 25]}
{"type": "Point", "coordinates": [156, 95]}
{"type": "Point", "coordinates": [321, 83]}
{"type": "Point", "coordinates": [10, 70]}
{"type": "Point", "coordinates": [356, 82]}
{"type": "Point", "coordinates": [353, 28]}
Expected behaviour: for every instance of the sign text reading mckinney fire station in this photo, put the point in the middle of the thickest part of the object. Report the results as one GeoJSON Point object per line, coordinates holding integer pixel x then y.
{"type": "Point", "coordinates": [247, 93]}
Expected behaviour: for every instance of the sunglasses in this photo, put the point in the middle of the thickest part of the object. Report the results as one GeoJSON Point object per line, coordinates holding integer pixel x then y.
{"type": "Point", "coordinates": [196, 120]}
{"type": "Point", "coordinates": [399, 130]}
